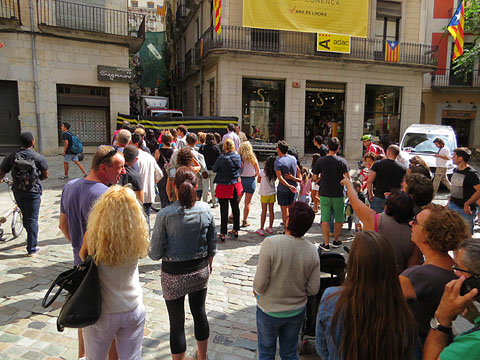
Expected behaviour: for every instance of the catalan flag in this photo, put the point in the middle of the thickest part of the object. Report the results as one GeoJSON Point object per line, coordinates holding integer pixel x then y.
{"type": "Point", "coordinates": [392, 51]}
{"type": "Point", "coordinates": [218, 16]}
{"type": "Point", "coordinates": [161, 10]}
{"type": "Point", "coordinates": [201, 47]}
{"type": "Point", "coordinates": [455, 28]}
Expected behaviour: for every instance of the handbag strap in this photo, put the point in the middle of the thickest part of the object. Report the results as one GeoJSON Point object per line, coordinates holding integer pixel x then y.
{"type": "Point", "coordinates": [46, 304]}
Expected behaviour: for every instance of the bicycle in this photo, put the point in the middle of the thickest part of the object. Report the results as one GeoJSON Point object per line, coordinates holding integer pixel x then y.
{"type": "Point", "coordinates": [17, 218]}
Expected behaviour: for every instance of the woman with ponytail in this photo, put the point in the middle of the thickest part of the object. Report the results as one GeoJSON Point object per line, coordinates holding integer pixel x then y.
{"type": "Point", "coordinates": [184, 238]}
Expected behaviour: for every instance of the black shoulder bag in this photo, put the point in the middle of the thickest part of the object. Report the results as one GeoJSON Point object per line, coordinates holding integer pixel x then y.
{"type": "Point", "coordinates": [84, 300]}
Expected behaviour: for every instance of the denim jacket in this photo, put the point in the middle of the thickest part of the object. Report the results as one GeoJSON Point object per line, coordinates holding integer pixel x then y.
{"type": "Point", "coordinates": [227, 167]}
{"type": "Point", "coordinates": [183, 234]}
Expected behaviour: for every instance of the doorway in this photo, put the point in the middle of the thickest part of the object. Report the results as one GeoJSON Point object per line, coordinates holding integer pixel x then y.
{"type": "Point", "coordinates": [9, 117]}
{"type": "Point", "coordinates": [324, 113]}
{"type": "Point", "coordinates": [461, 122]}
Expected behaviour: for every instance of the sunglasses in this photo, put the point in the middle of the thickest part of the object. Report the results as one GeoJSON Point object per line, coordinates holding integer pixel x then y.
{"type": "Point", "coordinates": [455, 268]}
{"type": "Point", "coordinates": [415, 221]}
{"type": "Point", "coordinates": [106, 156]}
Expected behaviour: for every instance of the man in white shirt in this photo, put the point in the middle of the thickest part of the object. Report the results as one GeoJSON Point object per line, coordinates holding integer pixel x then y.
{"type": "Point", "coordinates": [151, 174]}
{"type": "Point", "coordinates": [182, 137]}
{"type": "Point", "coordinates": [231, 135]}
{"type": "Point", "coordinates": [442, 159]}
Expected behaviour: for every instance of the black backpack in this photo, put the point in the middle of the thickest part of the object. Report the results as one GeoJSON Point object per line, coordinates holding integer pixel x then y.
{"type": "Point", "coordinates": [25, 173]}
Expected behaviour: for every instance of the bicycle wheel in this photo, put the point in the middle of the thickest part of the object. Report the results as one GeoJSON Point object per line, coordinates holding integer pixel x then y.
{"type": "Point", "coordinates": [17, 223]}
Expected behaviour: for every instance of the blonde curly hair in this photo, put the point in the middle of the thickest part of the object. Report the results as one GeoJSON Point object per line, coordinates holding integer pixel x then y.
{"type": "Point", "coordinates": [445, 228]}
{"type": "Point", "coordinates": [246, 153]}
{"type": "Point", "coordinates": [117, 232]}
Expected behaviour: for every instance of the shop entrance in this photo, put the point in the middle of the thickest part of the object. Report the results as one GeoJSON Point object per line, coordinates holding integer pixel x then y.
{"type": "Point", "coordinates": [324, 113]}
{"type": "Point", "coordinates": [461, 122]}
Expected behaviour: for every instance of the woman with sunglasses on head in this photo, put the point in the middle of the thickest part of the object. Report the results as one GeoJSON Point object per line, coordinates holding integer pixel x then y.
{"type": "Point", "coordinates": [435, 231]}
{"type": "Point", "coordinates": [116, 250]}
{"type": "Point", "coordinates": [392, 223]}
{"type": "Point", "coordinates": [184, 238]}
{"type": "Point", "coordinates": [367, 317]}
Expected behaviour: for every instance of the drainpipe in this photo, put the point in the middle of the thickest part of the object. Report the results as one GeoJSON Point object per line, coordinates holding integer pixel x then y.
{"type": "Point", "coordinates": [35, 82]}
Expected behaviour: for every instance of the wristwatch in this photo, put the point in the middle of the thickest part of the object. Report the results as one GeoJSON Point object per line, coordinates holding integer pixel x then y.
{"type": "Point", "coordinates": [435, 325]}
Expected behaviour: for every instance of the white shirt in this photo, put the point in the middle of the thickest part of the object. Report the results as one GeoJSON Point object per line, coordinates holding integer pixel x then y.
{"type": "Point", "coordinates": [234, 137]}
{"type": "Point", "coordinates": [151, 173]}
{"type": "Point", "coordinates": [442, 162]}
{"type": "Point", "coordinates": [266, 187]}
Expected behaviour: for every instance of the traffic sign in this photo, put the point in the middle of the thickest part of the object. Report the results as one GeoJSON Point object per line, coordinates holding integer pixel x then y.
{"type": "Point", "coordinates": [333, 43]}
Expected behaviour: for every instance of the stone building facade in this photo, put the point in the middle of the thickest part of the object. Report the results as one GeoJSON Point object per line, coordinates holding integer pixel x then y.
{"type": "Point", "coordinates": [280, 87]}
{"type": "Point", "coordinates": [49, 73]}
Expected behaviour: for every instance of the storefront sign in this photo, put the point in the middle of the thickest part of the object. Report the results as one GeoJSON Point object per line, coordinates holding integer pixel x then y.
{"type": "Point", "coordinates": [348, 17]}
{"type": "Point", "coordinates": [458, 114]}
{"type": "Point", "coordinates": [112, 73]}
{"type": "Point", "coordinates": [333, 43]}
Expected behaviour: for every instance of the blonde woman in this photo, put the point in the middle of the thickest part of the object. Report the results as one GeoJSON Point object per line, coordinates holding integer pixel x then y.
{"type": "Point", "coordinates": [250, 171]}
{"type": "Point", "coordinates": [117, 236]}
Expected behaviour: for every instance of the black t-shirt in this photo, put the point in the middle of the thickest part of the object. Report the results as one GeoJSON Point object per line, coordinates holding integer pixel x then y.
{"type": "Point", "coordinates": [40, 163]}
{"type": "Point", "coordinates": [211, 153]}
{"type": "Point", "coordinates": [323, 150]}
{"type": "Point", "coordinates": [331, 168]}
{"type": "Point", "coordinates": [389, 176]}
{"type": "Point", "coordinates": [68, 136]}
{"type": "Point", "coordinates": [463, 182]}
{"type": "Point", "coordinates": [131, 177]}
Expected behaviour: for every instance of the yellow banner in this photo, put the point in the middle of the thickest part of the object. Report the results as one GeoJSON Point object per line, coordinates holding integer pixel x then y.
{"type": "Point", "coordinates": [333, 43]}
{"type": "Point", "coordinates": [348, 17]}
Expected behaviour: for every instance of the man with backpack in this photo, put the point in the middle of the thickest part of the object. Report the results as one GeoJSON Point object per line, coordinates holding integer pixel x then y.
{"type": "Point", "coordinates": [71, 149]}
{"type": "Point", "coordinates": [28, 169]}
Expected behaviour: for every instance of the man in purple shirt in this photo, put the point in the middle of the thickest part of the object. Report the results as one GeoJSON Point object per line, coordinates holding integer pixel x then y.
{"type": "Point", "coordinates": [78, 196]}
{"type": "Point", "coordinates": [232, 135]}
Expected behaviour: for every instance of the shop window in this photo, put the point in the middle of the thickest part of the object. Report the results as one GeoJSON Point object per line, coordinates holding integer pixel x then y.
{"type": "Point", "coordinates": [382, 113]}
{"type": "Point", "coordinates": [263, 109]}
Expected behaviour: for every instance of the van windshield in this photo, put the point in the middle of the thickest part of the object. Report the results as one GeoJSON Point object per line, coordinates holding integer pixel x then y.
{"type": "Point", "coordinates": [423, 143]}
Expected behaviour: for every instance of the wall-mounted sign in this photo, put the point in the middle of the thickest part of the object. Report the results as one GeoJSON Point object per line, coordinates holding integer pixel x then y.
{"type": "Point", "coordinates": [113, 73]}
{"type": "Point", "coordinates": [295, 84]}
{"type": "Point", "coordinates": [459, 114]}
{"type": "Point", "coordinates": [333, 43]}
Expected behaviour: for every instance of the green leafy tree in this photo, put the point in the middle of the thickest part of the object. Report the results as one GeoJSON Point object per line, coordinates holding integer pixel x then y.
{"type": "Point", "coordinates": [464, 63]}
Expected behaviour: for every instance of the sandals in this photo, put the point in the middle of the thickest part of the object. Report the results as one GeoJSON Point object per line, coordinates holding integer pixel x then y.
{"type": "Point", "coordinates": [245, 224]}
{"type": "Point", "coordinates": [234, 233]}
{"type": "Point", "coordinates": [221, 237]}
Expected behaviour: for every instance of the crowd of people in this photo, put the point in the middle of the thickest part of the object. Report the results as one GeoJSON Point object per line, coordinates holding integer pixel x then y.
{"type": "Point", "coordinates": [403, 287]}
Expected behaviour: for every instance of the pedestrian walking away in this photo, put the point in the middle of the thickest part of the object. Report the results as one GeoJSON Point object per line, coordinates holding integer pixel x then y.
{"type": "Point", "coordinates": [28, 169]}
{"type": "Point", "coordinates": [441, 161]}
{"type": "Point", "coordinates": [267, 179]}
{"type": "Point", "coordinates": [70, 153]}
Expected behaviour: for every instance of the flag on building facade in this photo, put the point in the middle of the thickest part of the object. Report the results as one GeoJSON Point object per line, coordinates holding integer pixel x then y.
{"type": "Point", "coordinates": [218, 16]}
{"type": "Point", "coordinates": [201, 47]}
{"type": "Point", "coordinates": [161, 10]}
{"type": "Point", "coordinates": [392, 51]}
{"type": "Point", "coordinates": [455, 28]}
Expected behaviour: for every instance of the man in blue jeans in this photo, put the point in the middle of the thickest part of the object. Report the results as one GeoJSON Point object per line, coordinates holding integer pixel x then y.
{"type": "Point", "coordinates": [28, 169]}
{"type": "Point", "coordinates": [465, 190]}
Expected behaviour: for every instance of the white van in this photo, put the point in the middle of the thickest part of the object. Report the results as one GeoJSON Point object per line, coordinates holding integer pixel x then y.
{"type": "Point", "coordinates": [418, 140]}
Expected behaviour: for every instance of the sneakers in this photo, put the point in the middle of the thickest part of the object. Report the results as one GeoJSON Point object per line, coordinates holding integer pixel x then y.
{"type": "Point", "coordinates": [63, 177]}
{"type": "Point", "coordinates": [336, 244]}
{"type": "Point", "coordinates": [260, 232]}
{"type": "Point", "coordinates": [269, 230]}
{"type": "Point", "coordinates": [325, 247]}
{"type": "Point", "coordinates": [34, 252]}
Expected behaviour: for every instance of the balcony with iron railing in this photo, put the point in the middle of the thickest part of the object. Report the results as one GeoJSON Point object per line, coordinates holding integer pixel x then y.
{"type": "Point", "coordinates": [190, 63]}
{"type": "Point", "coordinates": [292, 43]}
{"type": "Point", "coordinates": [91, 22]}
{"type": "Point", "coordinates": [446, 78]}
{"type": "Point", "coordinates": [10, 16]}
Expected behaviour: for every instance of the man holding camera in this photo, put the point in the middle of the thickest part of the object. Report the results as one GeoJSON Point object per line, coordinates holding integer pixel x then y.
{"type": "Point", "coordinates": [458, 299]}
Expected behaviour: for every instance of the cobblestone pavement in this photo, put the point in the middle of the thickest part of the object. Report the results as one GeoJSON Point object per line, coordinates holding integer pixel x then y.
{"type": "Point", "coordinates": [28, 331]}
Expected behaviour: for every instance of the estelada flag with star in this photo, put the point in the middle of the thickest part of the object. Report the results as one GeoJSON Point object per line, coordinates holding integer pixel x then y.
{"type": "Point", "coordinates": [455, 28]}
{"type": "Point", "coordinates": [392, 51]}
